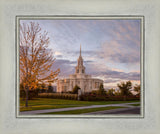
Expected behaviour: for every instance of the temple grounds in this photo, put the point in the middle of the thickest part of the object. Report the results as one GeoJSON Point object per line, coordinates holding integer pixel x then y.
{"type": "Point", "coordinates": [79, 106]}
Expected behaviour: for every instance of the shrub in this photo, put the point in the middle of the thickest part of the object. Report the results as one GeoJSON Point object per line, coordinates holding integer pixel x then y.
{"type": "Point", "coordinates": [87, 97]}
{"type": "Point", "coordinates": [58, 96]}
{"type": "Point", "coordinates": [31, 94]}
{"type": "Point", "coordinates": [93, 97]}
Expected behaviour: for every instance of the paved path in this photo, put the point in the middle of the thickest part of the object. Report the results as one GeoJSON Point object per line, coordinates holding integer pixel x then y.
{"type": "Point", "coordinates": [130, 110]}
{"type": "Point", "coordinates": [76, 108]}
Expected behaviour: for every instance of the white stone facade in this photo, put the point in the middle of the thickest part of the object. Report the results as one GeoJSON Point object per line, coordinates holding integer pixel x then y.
{"type": "Point", "coordinates": [84, 81]}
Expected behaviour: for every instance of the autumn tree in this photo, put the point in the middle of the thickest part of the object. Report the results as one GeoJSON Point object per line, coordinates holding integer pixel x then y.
{"type": "Point", "coordinates": [36, 59]}
{"type": "Point", "coordinates": [124, 88]}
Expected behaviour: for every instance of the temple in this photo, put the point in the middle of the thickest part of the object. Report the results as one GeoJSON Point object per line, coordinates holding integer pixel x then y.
{"type": "Point", "coordinates": [80, 78]}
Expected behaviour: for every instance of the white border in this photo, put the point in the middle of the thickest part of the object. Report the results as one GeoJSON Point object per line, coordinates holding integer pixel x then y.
{"type": "Point", "coordinates": [9, 124]}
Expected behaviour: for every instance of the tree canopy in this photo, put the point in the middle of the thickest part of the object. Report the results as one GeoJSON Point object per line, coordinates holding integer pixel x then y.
{"type": "Point", "coordinates": [111, 92]}
{"type": "Point", "coordinates": [75, 89]}
{"type": "Point", "coordinates": [137, 88]}
{"type": "Point", "coordinates": [101, 90]}
{"type": "Point", "coordinates": [125, 87]}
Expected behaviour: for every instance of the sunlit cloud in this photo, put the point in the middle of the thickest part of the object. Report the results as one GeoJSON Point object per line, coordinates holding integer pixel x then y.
{"type": "Point", "coordinates": [57, 53]}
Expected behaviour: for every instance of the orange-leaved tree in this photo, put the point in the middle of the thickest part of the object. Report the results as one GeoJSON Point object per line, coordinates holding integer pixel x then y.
{"type": "Point", "coordinates": [36, 59]}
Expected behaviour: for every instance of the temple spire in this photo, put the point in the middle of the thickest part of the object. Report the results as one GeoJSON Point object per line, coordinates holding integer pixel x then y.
{"type": "Point", "coordinates": [80, 69]}
{"type": "Point", "coordinates": [80, 49]}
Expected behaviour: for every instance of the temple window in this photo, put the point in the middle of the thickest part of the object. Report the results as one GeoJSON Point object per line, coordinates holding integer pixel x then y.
{"type": "Point", "coordinates": [77, 70]}
{"type": "Point", "coordinates": [82, 70]}
{"type": "Point", "coordinates": [96, 84]}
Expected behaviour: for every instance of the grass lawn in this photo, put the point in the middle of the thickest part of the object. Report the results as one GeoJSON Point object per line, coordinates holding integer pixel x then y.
{"type": "Point", "coordinates": [45, 103]}
{"type": "Point", "coordinates": [81, 111]}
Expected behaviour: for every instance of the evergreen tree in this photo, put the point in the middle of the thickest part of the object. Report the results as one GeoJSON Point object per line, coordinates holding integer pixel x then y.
{"type": "Point", "coordinates": [101, 90]}
{"type": "Point", "coordinates": [137, 89]}
{"type": "Point", "coordinates": [124, 88]}
{"type": "Point", "coordinates": [75, 89]}
{"type": "Point", "coordinates": [110, 92]}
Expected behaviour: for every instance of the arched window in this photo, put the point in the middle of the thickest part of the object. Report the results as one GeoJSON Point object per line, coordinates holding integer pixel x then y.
{"type": "Point", "coordinates": [82, 70]}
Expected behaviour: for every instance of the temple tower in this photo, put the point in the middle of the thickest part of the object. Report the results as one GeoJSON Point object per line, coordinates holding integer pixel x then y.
{"type": "Point", "coordinates": [80, 69]}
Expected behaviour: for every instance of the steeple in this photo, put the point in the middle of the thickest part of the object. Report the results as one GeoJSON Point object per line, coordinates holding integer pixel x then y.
{"type": "Point", "coordinates": [80, 68]}
{"type": "Point", "coordinates": [80, 49]}
{"type": "Point", "coordinates": [80, 59]}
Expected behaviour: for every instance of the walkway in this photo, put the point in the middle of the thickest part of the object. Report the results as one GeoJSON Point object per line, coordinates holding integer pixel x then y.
{"type": "Point", "coordinates": [130, 110]}
{"type": "Point", "coordinates": [76, 108]}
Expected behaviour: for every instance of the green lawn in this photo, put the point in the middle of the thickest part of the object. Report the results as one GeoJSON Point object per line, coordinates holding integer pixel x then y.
{"type": "Point", "coordinates": [81, 111]}
{"type": "Point", "coordinates": [45, 103]}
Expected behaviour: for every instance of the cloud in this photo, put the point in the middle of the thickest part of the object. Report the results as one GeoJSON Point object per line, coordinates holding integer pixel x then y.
{"type": "Point", "coordinates": [110, 75]}
{"type": "Point", "coordinates": [59, 56]}
{"type": "Point", "coordinates": [122, 75]}
{"type": "Point", "coordinates": [84, 53]}
{"type": "Point", "coordinates": [57, 53]}
{"type": "Point", "coordinates": [117, 51]}
{"type": "Point", "coordinates": [66, 67]}
{"type": "Point", "coordinates": [110, 81]}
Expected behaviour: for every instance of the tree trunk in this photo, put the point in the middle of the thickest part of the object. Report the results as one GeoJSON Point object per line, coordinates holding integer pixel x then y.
{"type": "Point", "coordinates": [26, 105]}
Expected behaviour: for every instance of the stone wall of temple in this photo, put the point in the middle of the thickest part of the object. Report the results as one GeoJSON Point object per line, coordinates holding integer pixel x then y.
{"type": "Point", "coordinates": [86, 85]}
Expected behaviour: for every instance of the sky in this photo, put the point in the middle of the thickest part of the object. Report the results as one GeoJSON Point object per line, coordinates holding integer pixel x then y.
{"type": "Point", "coordinates": [110, 48]}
